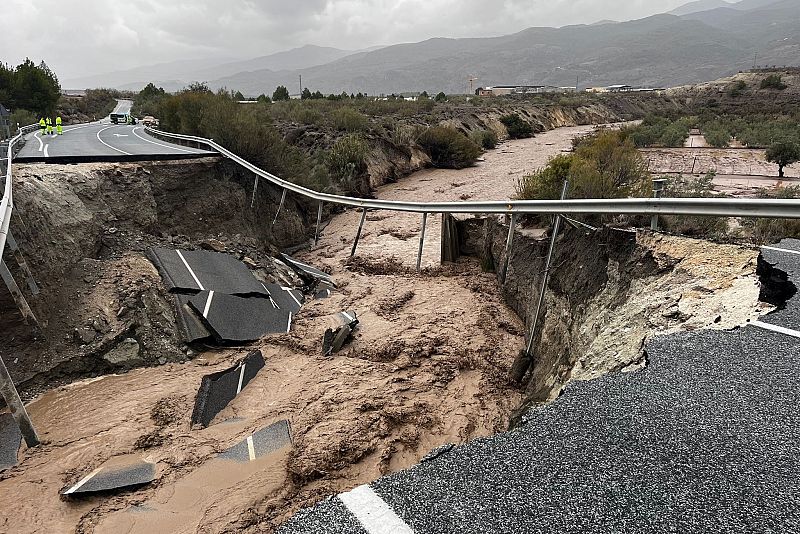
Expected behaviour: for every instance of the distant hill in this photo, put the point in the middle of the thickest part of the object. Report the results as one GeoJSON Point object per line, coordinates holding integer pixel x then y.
{"type": "Point", "coordinates": [662, 50]}
{"type": "Point", "coordinates": [699, 5]}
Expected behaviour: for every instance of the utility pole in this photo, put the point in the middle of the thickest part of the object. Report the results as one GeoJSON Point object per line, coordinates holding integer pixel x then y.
{"type": "Point", "coordinates": [755, 58]}
{"type": "Point", "coordinates": [577, 79]}
{"type": "Point", "coordinates": [301, 86]}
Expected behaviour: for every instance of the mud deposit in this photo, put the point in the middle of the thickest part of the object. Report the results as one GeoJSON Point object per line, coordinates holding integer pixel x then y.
{"type": "Point", "coordinates": [428, 366]}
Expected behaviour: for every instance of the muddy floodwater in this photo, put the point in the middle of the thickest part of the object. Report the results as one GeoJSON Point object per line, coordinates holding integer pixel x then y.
{"type": "Point", "coordinates": [427, 367]}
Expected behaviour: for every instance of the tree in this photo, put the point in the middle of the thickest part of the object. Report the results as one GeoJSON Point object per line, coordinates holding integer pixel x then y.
{"type": "Point", "coordinates": [783, 153]}
{"type": "Point", "coordinates": [306, 94]}
{"type": "Point", "coordinates": [151, 91]}
{"type": "Point", "coordinates": [263, 99]}
{"type": "Point", "coordinates": [516, 126]}
{"type": "Point", "coordinates": [238, 96]}
{"type": "Point", "coordinates": [424, 95]}
{"type": "Point", "coordinates": [198, 87]}
{"type": "Point", "coordinates": [773, 81]}
{"type": "Point", "coordinates": [281, 93]}
{"type": "Point", "coordinates": [441, 97]}
{"type": "Point", "coordinates": [34, 88]}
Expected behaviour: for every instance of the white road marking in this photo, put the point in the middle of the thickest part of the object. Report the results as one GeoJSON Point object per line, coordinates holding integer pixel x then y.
{"type": "Point", "coordinates": [251, 450]}
{"type": "Point", "coordinates": [83, 481]}
{"type": "Point", "coordinates": [191, 272]}
{"type": "Point", "coordinates": [778, 329]}
{"type": "Point", "coordinates": [781, 250]}
{"type": "Point", "coordinates": [173, 147]}
{"type": "Point", "coordinates": [45, 151]}
{"type": "Point", "coordinates": [241, 379]}
{"type": "Point", "coordinates": [289, 290]}
{"type": "Point", "coordinates": [41, 144]}
{"type": "Point", "coordinates": [289, 326]}
{"type": "Point", "coordinates": [208, 304]}
{"type": "Point", "coordinates": [347, 316]}
{"type": "Point", "coordinates": [109, 146]}
{"type": "Point", "coordinates": [373, 513]}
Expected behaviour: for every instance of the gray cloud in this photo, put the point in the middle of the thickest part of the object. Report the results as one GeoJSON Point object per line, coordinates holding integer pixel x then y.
{"type": "Point", "coordinates": [93, 36]}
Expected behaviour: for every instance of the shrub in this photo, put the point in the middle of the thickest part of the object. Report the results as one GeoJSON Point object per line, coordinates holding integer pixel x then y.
{"type": "Point", "coordinates": [448, 148]}
{"type": "Point", "coordinates": [348, 119]}
{"type": "Point", "coordinates": [773, 81]}
{"type": "Point", "coordinates": [23, 117]}
{"type": "Point", "coordinates": [307, 116]}
{"type": "Point", "coordinates": [768, 231]}
{"type": "Point", "coordinates": [347, 158]}
{"type": "Point", "coordinates": [281, 93]}
{"type": "Point", "coordinates": [736, 88]}
{"type": "Point", "coordinates": [717, 138]}
{"type": "Point", "coordinates": [516, 126]}
{"type": "Point", "coordinates": [441, 97]}
{"type": "Point", "coordinates": [485, 139]}
{"type": "Point", "coordinates": [783, 153]}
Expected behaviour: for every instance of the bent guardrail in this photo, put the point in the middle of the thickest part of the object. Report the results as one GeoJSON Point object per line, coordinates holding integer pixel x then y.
{"type": "Point", "coordinates": [717, 207]}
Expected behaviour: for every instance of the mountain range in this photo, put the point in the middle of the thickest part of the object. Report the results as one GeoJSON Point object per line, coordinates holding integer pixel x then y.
{"type": "Point", "coordinates": [699, 41]}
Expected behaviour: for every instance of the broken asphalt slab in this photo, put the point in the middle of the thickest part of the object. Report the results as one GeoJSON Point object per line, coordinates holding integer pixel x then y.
{"type": "Point", "coordinates": [334, 338]}
{"type": "Point", "coordinates": [782, 276]}
{"type": "Point", "coordinates": [219, 389]}
{"type": "Point", "coordinates": [191, 327]}
{"type": "Point", "coordinates": [286, 298]}
{"type": "Point", "coordinates": [235, 320]}
{"type": "Point", "coordinates": [307, 272]}
{"type": "Point", "coordinates": [119, 474]}
{"type": "Point", "coordinates": [704, 439]}
{"type": "Point", "coordinates": [270, 439]}
{"type": "Point", "coordinates": [10, 439]}
{"type": "Point", "coordinates": [186, 271]}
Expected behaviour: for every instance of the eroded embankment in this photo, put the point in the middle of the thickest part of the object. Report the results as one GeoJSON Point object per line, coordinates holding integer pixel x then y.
{"type": "Point", "coordinates": [610, 291]}
{"type": "Point", "coordinates": [84, 230]}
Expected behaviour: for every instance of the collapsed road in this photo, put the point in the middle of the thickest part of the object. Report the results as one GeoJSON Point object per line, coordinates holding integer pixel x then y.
{"type": "Point", "coordinates": [426, 368]}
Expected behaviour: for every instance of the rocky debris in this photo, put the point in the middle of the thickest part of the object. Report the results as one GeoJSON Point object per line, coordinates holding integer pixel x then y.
{"type": "Point", "coordinates": [334, 339]}
{"type": "Point", "coordinates": [126, 354]}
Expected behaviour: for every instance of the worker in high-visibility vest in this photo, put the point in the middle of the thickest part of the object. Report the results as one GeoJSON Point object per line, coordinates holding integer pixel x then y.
{"type": "Point", "coordinates": [49, 126]}
{"type": "Point", "coordinates": [59, 129]}
{"type": "Point", "coordinates": [42, 125]}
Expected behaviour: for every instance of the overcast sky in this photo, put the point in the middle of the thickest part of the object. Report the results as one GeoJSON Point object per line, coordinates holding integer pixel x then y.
{"type": "Point", "coordinates": [83, 37]}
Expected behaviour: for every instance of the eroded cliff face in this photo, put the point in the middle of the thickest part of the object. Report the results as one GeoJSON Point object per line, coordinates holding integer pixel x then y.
{"type": "Point", "coordinates": [610, 291]}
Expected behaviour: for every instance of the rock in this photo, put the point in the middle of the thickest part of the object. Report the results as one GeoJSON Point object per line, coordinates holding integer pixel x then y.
{"type": "Point", "coordinates": [213, 244]}
{"type": "Point", "coordinates": [126, 354]}
{"type": "Point", "coordinates": [250, 262]}
{"type": "Point", "coordinates": [85, 335]}
{"type": "Point", "coordinates": [162, 361]}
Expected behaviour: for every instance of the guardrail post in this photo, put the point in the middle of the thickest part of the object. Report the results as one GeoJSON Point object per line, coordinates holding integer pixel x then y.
{"type": "Point", "coordinates": [658, 189]}
{"type": "Point", "coordinates": [18, 412]}
{"type": "Point", "coordinates": [358, 233]}
{"type": "Point", "coordinates": [280, 207]}
{"type": "Point", "coordinates": [421, 241]}
{"type": "Point", "coordinates": [319, 223]}
{"type": "Point", "coordinates": [16, 294]}
{"type": "Point", "coordinates": [23, 265]}
{"type": "Point", "coordinates": [253, 198]}
{"type": "Point", "coordinates": [509, 243]}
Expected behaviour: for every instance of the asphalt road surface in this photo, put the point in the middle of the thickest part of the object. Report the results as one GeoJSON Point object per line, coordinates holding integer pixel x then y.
{"type": "Point", "coordinates": [103, 141]}
{"type": "Point", "coordinates": [705, 439]}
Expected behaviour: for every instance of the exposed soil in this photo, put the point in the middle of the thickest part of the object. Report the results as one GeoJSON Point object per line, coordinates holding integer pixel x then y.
{"type": "Point", "coordinates": [428, 365]}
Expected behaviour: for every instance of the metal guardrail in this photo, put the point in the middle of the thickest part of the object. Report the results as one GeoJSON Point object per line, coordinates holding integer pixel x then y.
{"type": "Point", "coordinates": [717, 207]}
{"type": "Point", "coordinates": [7, 204]}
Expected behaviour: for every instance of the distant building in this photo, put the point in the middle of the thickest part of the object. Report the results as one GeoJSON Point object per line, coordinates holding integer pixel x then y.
{"type": "Point", "coordinates": [502, 90]}
{"type": "Point", "coordinates": [621, 89]}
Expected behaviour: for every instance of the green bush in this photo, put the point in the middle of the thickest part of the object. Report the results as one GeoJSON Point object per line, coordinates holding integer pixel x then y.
{"type": "Point", "coordinates": [769, 231]}
{"type": "Point", "coordinates": [348, 119]}
{"type": "Point", "coordinates": [516, 126]}
{"type": "Point", "coordinates": [485, 139]}
{"type": "Point", "coordinates": [736, 88]}
{"type": "Point", "coordinates": [448, 148]}
{"type": "Point", "coordinates": [23, 117]}
{"type": "Point", "coordinates": [347, 159]}
{"type": "Point", "coordinates": [773, 81]}
{"type": "Point", "coordinates": [717, 138]}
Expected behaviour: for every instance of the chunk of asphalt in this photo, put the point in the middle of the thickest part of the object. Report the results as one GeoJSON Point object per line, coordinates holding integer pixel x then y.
{"type": "Point", "coordinates": [307, 272]}
{"type": "Point", "coordinates": [285, 298]}
{"type": "Point", "coordinates": [235, 320]}
{"type": "Point", "coordinates": [323, 290]}
{"type": "Point", "coordinates": [270, 439]}
{"type": "Point", "coordinates": [187, 271]}
{"type": "Point", "coordinates": [334, 338]}
{"type": "Point", "coordinates": [114, 477]}
{"type": "Point", "coordinates": [219, 389]}
{"type": "Point", "coordinates": [10, 439]}
{"type": "Point", "coordinates": [191, 327]}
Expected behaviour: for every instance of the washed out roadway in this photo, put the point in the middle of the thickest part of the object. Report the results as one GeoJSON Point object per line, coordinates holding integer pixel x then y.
{"type": "Point", "coordinates": [705, 439]}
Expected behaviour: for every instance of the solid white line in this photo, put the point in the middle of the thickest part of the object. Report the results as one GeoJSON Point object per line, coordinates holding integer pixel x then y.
{"type": "Point", "coordinates": [373, 513]}
{"type": "Point", "coordinates": [781, 250]}
{"type": "Point", "coordinates": [347, 316]}
{"type": "Point", "coordinates": [109, 146]}
{"type": "Point", "coordinates": [208, 304]}
{"type": "Point", "coordinates": [186, 263]}
{"type": "Point", "coordinates": [778, 329]}
{"type": "Point", "coordinates": [83, 481]}
{"type": "Point", "coordinates": [289, 290]}
{"type": "Point", "coordinates": [241, 379]}
{"type": "Point", "coordinates": [251, 450]}
{"type": "Point", "coordinates": [160, 144]}
{"type": "Point", "coordinates": [41, 144]}
{"type": "Point", "coordinates": [289, 326]}
{"type": "Point", "coordinates": [45, 151]}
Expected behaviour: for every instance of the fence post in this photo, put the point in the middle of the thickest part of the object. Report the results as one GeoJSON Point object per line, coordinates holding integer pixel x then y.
{"type": "Point", "coordinates": [18, 412]}
{"type": "Point", "coordinates": [253, 198]}
{"type": "Point", "coordinates": [421, 241]}
{"type": "Point", "coordinates": [319, 222]}
{"type": "Point", "coordinates": [358, 233]}
{"type": "Point", "coordinates": [509, 243]}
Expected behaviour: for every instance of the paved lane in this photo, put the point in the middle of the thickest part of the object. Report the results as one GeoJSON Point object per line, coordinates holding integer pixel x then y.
{"type": "Point", "coordinates": [705, 439]}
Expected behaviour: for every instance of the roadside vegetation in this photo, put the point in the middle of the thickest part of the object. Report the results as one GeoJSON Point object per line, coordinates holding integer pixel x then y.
{"type": "Point", "coordinates": [30, 91]}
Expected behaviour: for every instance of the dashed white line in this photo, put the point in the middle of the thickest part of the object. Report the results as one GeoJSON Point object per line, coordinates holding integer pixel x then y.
{"type": "Point", "coordinates": [373, 513]}
{"type": "Point", "coordinates": [208, 304]}
{"type": "Point", "coordinates": [241, 379]}
{"type": "Point", "coordinates": [289, 290]}
{"type": "Point", "coordinates": [289, 326]}
{"type": "Point", "coordinates": [778, 329]}
{"type": "Point", "coordinates": [191, 272]}
{"type": "Point", "coordinates": [251, 450]}
{"type": "Point", "coordinates": [781, 250]}
{"type": "Point", "coordinates": [109, 146]}
{"type": "Point", "coordinates": [347, 316]}
{"type": "Point", "coordinates": [160, 144]}
{"type": "Point", "coordinates": [45, 151]}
